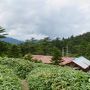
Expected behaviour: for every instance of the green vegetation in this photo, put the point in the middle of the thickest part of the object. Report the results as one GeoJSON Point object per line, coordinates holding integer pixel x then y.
{"type": "Point", "coordinates": [20, 67]}
{"type": "Point", "coordinates": [58, 78]}
{"type": "Point", "coordinates": [14, 51]}
{"type": "Point", "coordinates": [2, 32]}
{"type": "Point", "coordinates": [8, 80]}
{"type": "Point", "coordinates": [56, 57]}
{"type": "Point", "coordinates": [40, 76]}
{"type": "Point", "coordinates": [28, 57]}
{"type": "Point", "coordinates": [78, 46]}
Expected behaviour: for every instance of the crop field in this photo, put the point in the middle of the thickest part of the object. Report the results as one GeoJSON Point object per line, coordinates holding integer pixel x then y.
{"type": "Point", "coordinates": [40, 76]}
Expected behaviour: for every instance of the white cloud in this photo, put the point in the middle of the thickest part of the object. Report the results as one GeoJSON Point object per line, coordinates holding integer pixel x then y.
{"type": "Point", "coordinates": [25, 19]}
{"type": "Point", "coordinates": [55, 4]}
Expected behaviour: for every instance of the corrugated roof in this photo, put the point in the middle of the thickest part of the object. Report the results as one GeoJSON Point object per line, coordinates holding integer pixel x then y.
{"type": "Point", "coordinates": [82, 62]}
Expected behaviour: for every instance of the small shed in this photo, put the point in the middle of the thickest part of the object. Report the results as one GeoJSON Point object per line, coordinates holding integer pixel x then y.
{"type": "Point", "coordinates": [82, 62]}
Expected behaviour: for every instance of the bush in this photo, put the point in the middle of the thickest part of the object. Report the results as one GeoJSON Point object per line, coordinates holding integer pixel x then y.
{"type": "Point", "coordinates": [21, 67]}
{"type": "Point", "coordinates": [58, 78]}
{"type": "Point", "coordinates": [28, 57]}
{"type": "Point", "coordinates": [8, 81]}
{"type": "Point", "coordinates": [40, 76]}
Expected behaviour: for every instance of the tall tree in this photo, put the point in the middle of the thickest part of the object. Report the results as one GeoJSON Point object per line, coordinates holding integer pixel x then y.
{"type": "Point", "coordinates": [2, 32]}
{"type": "Point", "coordinates": [56, 56]}
{"type": "Point", "coordinates": [3, 45]}
{"type": "Point", "coordinates": [15, 51]}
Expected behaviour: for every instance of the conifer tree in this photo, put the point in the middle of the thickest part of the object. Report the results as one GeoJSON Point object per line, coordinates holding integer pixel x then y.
{"type": "Point", "coordinates": [2, 32]}
{"type": "Point", "coordinates": [15, 51]}
{"type": "Point", "coordinates": [56, 56]}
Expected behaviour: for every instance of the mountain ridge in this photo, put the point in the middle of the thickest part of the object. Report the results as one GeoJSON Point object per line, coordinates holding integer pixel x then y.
{"type": "Point", "coordinates": [12, 40]}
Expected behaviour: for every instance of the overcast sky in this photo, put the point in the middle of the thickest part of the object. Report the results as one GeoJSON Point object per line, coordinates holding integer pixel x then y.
{"type": "Point", "coordinates": [24, 19]}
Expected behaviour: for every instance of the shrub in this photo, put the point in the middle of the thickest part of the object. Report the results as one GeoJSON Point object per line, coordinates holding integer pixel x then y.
{"type": "Point", "coordinates": [28, 57]}
{"type": "Point", "coordinates": [8, 80]}
{"type": "Point", "coordinates": [21, 67]}
{"type": "Point", "coordinates": [58, 78]}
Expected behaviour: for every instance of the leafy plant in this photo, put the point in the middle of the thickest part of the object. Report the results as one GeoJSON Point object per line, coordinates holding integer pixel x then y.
{"type": "Point", "coordinates": [58, 78]}
{"type": "Point", "coordinates": [8, 80]}
{"type": "Point", "coordinates": [21, 67]}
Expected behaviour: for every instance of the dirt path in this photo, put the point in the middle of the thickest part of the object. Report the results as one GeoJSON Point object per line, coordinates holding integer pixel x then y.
{"type": "Point", "coordinates": [24, 85]}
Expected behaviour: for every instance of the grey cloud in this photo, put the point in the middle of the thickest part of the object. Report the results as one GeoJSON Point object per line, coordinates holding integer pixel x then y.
{"type": "Point", "coordinates": [63, 23]}
{"type": "Point", "coordinates": [32, 18]}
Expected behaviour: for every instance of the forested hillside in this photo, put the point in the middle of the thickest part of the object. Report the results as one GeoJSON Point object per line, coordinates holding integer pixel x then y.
{"type": "Point", "coordinates": [77, 46]}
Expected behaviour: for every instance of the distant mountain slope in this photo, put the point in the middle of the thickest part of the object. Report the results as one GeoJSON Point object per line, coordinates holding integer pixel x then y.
{"type": "Point", "coordinates": [12, 40]}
